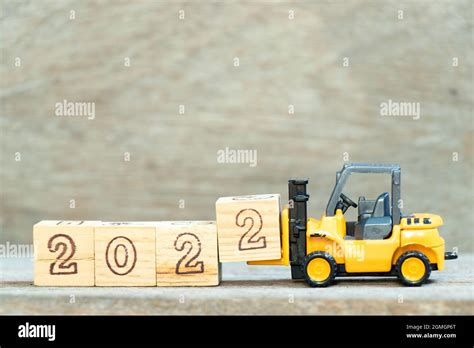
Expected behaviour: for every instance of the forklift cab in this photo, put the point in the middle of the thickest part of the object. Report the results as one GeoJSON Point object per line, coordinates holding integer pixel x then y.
{"type": "Point", "coordinates": [376, 217]}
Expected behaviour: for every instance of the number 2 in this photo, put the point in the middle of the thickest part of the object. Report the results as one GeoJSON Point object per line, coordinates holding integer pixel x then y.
{"type": "Point", "coordinates": [190, 267]}
{"type": "Point", "coordinates": [68, 249]}
{"type": "Point", "coordinates": [249, 240]}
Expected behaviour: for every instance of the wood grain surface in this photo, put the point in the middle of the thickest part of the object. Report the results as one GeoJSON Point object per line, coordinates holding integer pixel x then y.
{"type": "Point", "coordinates": [125, 254]}
{"type": "Point", "coordinates": [169, 95]}
{"type": "Point", "coordinates": [64, 253]}
{"type": "Point", "coordinates": [186, 254]}
{"type": "Point", "coordinates": [248, 228]}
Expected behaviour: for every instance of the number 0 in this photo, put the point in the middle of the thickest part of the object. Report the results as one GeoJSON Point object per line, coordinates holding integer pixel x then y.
{"type": "Point", "coordinates": [112, 259]}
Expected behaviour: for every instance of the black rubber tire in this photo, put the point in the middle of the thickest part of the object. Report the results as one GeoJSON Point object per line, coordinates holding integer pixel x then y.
{"type": "Point", "coordinates": [418, 255]}
{"type": "Point", "coordinates": [329, 259]}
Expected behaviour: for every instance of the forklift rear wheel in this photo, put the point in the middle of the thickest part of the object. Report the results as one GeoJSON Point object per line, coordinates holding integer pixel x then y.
{"type": "Point", "coordinates": [413, 268]}
{"type": "Point", "coordinates": [319, 269]}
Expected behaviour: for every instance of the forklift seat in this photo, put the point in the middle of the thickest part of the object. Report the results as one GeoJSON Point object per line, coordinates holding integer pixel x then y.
{"type": "Point", "coordinates": [382, 206]}
{"type": "Point", "coordinates": [366, 207]}
{"type": "Point", "coordinates": [376, 224]}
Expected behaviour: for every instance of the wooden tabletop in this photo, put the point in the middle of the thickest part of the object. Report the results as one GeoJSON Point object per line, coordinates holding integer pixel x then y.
{"type": "Point", "coordinates": [245, 290]}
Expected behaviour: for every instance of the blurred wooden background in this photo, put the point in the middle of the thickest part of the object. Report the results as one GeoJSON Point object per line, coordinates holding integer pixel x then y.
{"type": "Point", "coordinates": [190, 62]}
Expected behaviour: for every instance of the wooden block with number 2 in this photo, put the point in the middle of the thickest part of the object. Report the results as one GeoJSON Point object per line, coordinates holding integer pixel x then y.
{"type": "Point", "coordinates": [248, 228]}
{"type": "Point", "coordinates": [64, 253]}
{"type": "Point", "coordinates": [186, 253]}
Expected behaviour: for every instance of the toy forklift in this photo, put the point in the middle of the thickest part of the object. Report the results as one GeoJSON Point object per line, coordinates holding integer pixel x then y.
{"type": "Point", "coordinates": [381, 242]}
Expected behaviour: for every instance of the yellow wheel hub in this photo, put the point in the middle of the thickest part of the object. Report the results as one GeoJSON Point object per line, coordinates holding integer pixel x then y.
{"type": "Point", "coordinates": [319, 269]}
{"type": "Point", "coordinates": [413, 269]}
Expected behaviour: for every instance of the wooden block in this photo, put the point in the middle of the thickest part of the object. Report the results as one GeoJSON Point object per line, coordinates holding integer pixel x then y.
{"type": "Point", "coordinates": [186, 253]}
{"type": "Point", "coordinates": [64, 253]}
{"type": "Point", "coordinates": [125, 254]}
{"type": "Point", "coordinates": [248, 228]}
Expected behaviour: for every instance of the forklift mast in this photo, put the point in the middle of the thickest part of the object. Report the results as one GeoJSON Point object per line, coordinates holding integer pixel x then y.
{"type": "Point", "coordinates": [298, 218]}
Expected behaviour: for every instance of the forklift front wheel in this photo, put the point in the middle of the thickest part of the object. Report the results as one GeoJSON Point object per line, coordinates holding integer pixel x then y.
{"type": "Point", "coordinates": [319, 269]}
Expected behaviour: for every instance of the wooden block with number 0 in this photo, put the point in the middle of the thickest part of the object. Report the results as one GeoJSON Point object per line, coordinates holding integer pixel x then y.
{"type": "Point", "coordinates": [125, 254]}
{"type": "Point", "coordinates": [186, 253]}
{"type": "Point", "coordinates": [248, 228]}
{"type": "Point", "coordinates": [64, 253]}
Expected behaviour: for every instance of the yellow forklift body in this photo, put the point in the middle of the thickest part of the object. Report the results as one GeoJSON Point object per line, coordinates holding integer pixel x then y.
{"type": "Point", "coordinates": [358, 256]}
{"type": "Point", "coordinates": [363, 256]}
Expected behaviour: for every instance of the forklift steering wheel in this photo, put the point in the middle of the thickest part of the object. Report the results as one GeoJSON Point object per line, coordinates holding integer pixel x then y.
{"type": "Point", "coordinates": [345, 203]}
